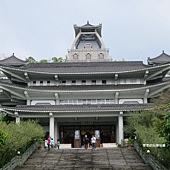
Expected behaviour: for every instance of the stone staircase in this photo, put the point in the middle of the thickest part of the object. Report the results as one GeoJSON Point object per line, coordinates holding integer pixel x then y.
{"type": "Point", "coordinates": [80, 159]}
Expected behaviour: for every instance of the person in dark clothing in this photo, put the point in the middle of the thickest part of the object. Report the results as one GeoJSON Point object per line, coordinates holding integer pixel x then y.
{"type": "Point", "coordinates": [86, 142]}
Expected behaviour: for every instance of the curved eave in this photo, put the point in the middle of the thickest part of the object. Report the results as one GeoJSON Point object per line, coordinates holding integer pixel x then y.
{"type": "Point", "coordinates": [162, 58]}
{"type": "Point", "coordinates": [151, 68]}
{"type": "Point", "coordinates": [79, 108]}
{"type": "Point", "coordinates": [86, 27]}
{"type": "Point", "coordinates": [85, 91]}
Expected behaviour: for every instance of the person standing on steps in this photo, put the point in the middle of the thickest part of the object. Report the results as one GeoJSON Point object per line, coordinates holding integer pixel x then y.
{"type": "Point", "coordinates": [49, 142]}
{"type": "Point", "coordinates": [58, 143]}
{"type": "Point", "coordinates": [86, 142]}
{"type": "Point", "coordinates": [93, 142]}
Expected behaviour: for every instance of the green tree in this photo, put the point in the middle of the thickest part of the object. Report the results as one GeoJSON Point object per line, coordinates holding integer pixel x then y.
{"type": "Point", "coordinates": [56, 60]}
{"type": "Point", "coordinates": [17, 137]}
{"type": "Point", "coordinates": [43, 61]}
{"type": "Point", "coordinates": [166, 130]}
{"type": "Point", "coordinates": [31, 60]}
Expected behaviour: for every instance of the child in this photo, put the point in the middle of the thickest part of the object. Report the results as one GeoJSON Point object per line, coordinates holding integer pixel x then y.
{"type": "Point", "coordinates": [58, 143]}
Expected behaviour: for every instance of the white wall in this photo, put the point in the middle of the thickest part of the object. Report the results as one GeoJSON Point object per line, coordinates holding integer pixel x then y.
{"type": "Point", "coordinates": [121, 101]}
{"type": "Point", "coordinates": [34, 102]}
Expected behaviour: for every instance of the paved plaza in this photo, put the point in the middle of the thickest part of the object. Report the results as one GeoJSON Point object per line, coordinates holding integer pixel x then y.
{"type": "Point", "coordinates": [80, 159]}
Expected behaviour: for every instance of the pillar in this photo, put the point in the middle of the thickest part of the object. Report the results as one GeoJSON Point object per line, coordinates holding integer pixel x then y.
{"type": "Point", "coordinates": [51, 128]}
{"type": "Point", "coordinates": [120, 125]}
{"type": "Point", "coordinates": [18, 120]}
{"type": "Point", "coordinates": [56, 132]}
{"type": "Point", "coordinates": [17, 117]}
{"type": "Point", "coordinates": [116, 98]}
{"type": "Point", "coordinates": [28, 102]}
{"type": "Point", "coordinates": [145, 100]}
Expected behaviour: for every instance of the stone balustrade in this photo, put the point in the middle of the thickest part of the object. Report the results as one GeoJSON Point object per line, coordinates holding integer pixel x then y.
{"type": "Point", "coordinates": [148, 158]}
{"type": "Point", "coordinates": [19, 160]}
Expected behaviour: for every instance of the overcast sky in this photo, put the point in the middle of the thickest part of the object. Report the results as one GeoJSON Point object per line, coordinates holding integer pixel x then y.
{"type": "Point", "coordinates": [131, 29]}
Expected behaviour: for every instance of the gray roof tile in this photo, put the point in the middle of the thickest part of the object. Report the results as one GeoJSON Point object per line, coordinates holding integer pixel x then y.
{"type": "Point", "coordinates": [86, 67]}
{"type": "Point", "coordinates": [83, 108]}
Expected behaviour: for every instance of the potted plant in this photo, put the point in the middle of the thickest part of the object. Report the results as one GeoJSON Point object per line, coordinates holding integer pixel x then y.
{"type": "Point", "coordinates": [130, 142]}
{"type": "Point", "coordinates": [40, 143]}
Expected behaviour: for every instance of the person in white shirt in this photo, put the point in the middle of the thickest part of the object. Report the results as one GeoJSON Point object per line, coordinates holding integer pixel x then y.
{"type": "Point", "coordinates": [93, 142]}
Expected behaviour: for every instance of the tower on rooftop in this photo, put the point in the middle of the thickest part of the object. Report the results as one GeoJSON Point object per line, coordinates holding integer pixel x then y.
{"type": "Point", "coordinates": [88, 44]}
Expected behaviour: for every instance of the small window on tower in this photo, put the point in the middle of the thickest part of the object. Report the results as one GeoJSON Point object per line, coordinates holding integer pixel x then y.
{"type": "Point", "coordinates": [75, 56]}
{"type": "Point", "coordinates": [101, 56]}
{"type": "Point", "coordinates": [87, 46]}
{"type": "Point", "coordinates": [88, 56]}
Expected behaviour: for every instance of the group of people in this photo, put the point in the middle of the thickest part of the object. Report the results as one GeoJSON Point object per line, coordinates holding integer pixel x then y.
{"type": "Point", "coordinates": [86, 142]}
{"type": "Point", "coordinates": [49, 143]}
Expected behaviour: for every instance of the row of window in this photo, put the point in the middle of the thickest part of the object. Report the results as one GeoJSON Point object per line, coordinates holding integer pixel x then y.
{"type": "Point", "coordinates": [89, 82]}
{"type": "Point", "coordinates": [88, 101]}
{"type": "Point", "coordinates": [88, 56]}
{"type": "Point", "coordinates": [83, 82]}
{"type": "Point", "coordinates": [73, 82]}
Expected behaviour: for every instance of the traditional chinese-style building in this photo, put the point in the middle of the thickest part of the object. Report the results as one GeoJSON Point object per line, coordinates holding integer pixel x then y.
{"type": "Point", "coordinates": [87, 94]}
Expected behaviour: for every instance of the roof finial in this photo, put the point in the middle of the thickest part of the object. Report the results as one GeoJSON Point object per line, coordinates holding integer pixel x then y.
{"type": "Point", "coordinates": [162, 51]}
{"type": "Point", "coordinates": [87, 22]}
{"type": "Point", "coordinates": [12, 54]}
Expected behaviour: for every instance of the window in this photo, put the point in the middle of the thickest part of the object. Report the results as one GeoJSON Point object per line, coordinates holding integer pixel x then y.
{"type": "Point", "coordinates": [131, 102]}
{"type": "Point", "coordinates": [63, 82]}
{"type": "Point", "coordinates": [93, 82]}
{"type": "Point", "coordinates": [63, 102]}
{"type": "Point", "coordinates": [48, 82]}
{"type": "Point", "coordinates": [84, 101]}
{"type": "Point", "coordinates": [73, 81]}
{"type": "Point", "coordinates": [102, 101]}
{"type": "Point", "coordinates": [41, 82]}
{"type": "Point", "coordinates": [103, 81]}
{"type": "Point", "coordinates": [75, 56]}
{"type": "Point", "coordinates": [93, 101]}
{"type": "Point", "coordinates": [88, 56]}
{"type": "Point", "coordinates": [133, 81]}
{"type": "Point", "coordinates": [88, 101]}
{"type": "Point", "coordinates": [87, 46]}
{"type": "Point", "coordinates": [83, 82]}
{"type": "Point", "coordinates": [34, 82]}
{"type": "Point", "coordinates": [101, 56]}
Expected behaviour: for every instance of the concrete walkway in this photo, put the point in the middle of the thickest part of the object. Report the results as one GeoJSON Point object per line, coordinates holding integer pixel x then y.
{"type": "Point", "coordinates": [80, 159]}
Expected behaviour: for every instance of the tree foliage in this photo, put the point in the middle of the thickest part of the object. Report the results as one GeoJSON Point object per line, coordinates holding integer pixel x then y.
{"type": "Point", "coordinates": [153, 127]}
{"type": "Point", "coordinates": [55, 59]}
{"type": "Point", "coordinates": [31, 59]}
{"type": "Point", "coordinates": [17, 137]}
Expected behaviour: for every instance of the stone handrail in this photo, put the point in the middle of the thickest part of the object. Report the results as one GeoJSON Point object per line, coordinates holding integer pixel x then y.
{"type": "Point", "coordinates": [19, 160]}
{"type": "Point", "coordinates": [149, 159]}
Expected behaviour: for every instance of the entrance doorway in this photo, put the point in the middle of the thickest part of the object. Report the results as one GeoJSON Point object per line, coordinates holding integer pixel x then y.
{"type": "Point", "coordinates": [107, 133]}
